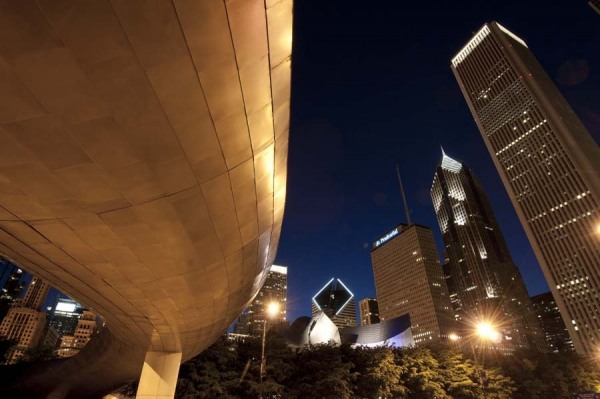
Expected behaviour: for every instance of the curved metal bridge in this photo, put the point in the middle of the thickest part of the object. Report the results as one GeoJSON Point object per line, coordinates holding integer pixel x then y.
{"type": "Point", "coordinates": [143, 152]}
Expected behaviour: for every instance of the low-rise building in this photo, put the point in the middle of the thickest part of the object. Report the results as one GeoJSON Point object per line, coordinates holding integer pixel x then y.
{"type": "Point", "coordinates": [72, 344]}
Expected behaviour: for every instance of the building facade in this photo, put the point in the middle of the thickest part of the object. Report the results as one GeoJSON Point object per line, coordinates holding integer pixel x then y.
{"type": "Point", "coordinates": [394, 332]}
{"type": "Point", "coordinates": [368, 309]}
{"type": "Point", "coordinates": [486, 282]}
{"type": "Point", "coordinates": [549, 164]}
{"type": "Point", "coordinates": [36, 294]}
{"type": "Point", "coordinates": [409, 279]}
{"type": "Point", "coordinates": [64, 315]}
{"type": "Point", "coordinates": [24, 325]}
{"type": "Point", "coordinates": [50, 337]}
{"type": "Point", "coordinates": [452, 293]}
{"type": "Point", "coordinates": [555, 331]}
{"type": "Point", "coordinates": [252, 320]}
{"type": "Point", "coordinates": [10, 285]}
{"type": "Point", "coordinates": [337, 302]}
{"type": "Point", "coordinates": [86, 327]}
{"type": "Point", "coordinates": [24, 322]}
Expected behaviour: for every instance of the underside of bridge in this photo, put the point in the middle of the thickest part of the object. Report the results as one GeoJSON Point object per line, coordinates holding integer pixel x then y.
{"type": "Point", "coordinates": [143, 152]}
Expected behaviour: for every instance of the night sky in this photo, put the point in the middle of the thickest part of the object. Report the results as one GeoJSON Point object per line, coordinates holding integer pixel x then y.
{"type": "Point", "coordinates": [372, 87]}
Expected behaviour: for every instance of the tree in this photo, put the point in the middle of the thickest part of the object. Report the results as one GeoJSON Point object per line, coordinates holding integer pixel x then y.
{"type": "Point", "coordinates": [206, 375]}
{"type": "Point", "coordinates": [37, 354]}
{"type": "Point", "coordinates": [556, 375]}
{"type": "Point", "coordinates": [461, 376]}
{"type": "Point", "coordinates": [5, 345]}
{"type": "Point", "coordinates": [421, 373]}
{"type": "Point", "coordinates": [231, 369]}
{"type": "Point", "coordinates": [378, 373]}
{"type": "Point", "coordinates": [321, 372]}
{"type": "Point", "coordinates": [498, 386]}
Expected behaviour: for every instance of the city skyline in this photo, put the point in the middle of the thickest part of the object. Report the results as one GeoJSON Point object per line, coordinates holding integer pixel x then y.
{"type": "Point", "coordinates": [145, 172]}
{"type": "Point", "coordinates": [574, 81]}
{"type": "Point", "coordinates": [367, 116]}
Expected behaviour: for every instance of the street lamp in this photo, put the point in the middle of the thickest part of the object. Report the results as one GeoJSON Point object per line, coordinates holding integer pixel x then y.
{"type": "Point", "coordinates": [485, 331]}
{"type": "Point", "coordinates": [271, 311]}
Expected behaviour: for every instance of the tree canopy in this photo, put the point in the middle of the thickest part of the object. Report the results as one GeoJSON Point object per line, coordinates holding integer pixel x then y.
{"type": "Point", "coordinates": [230, 369]}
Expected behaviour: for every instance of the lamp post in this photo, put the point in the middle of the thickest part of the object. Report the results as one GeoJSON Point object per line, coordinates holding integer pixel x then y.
{"type": "Point", "coordinates": [272, 310]}
{"type": "Point", "coordinates": [485, 331]}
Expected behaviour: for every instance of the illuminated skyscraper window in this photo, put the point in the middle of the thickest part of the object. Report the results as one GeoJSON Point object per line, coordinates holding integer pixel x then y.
{"type": "Point", "coordinates": [549, 164]}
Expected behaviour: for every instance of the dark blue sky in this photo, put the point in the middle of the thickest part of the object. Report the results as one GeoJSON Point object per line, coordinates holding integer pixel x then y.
{"type": "Point", "coordinates": [372, 87]}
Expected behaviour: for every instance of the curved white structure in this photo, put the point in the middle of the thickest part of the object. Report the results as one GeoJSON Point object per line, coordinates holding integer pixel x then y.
{"type": "Point", "coordinates": [320, 330]}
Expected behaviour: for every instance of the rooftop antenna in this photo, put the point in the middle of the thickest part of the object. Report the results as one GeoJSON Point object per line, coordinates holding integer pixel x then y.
{"type": "Point", "coordinates": [403, 196]}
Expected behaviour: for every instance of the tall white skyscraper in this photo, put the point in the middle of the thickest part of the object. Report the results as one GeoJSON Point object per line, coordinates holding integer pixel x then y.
{"type": "Point", "coordinates": [549, 164]}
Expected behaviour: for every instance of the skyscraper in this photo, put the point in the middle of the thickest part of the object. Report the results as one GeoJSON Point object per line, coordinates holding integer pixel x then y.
{"type": "Point", "coordinates": [368, 309]}
{"type": "Point", "coordinates": [10, 285]}
{"type": "Point", "coordinates": [483, 276]}
{"type": "Point", "coordinates": [36, 294]}
{"type": "Point", "coordinates": [337, 302]}
{"type": "Point", "coordinates": [452, 293]}
{"type": "Point", "coordinates": [409, 279]}
{"type": "Point", "coordinates": [549, 164]}
{"type": "Point", "coordinates": [6, 269]}
{"type": "Point", "coordinates": [555, 331]}
{"type": "Point", "coordinates": [274, 289]}
{"type": "Point", "coordinates": [64, 316]}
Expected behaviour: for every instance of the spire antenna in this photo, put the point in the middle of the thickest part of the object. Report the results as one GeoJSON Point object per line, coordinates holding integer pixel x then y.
{"type": "Point", "coordinates": [403, 197]}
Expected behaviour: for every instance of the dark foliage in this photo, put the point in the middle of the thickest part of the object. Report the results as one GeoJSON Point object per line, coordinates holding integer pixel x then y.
{"type": "Point", "coordinates": [230, 369]}
{"type": "Point", "coordinates": [5, 345]}
{"type": "Point", "coordinates": [38, 354]}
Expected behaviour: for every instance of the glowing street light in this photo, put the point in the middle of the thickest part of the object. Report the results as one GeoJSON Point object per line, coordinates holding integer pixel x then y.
{"type": "Point", "coordinates": [487, 331]}
{"type": "Point", "coordinates": [272, 310]}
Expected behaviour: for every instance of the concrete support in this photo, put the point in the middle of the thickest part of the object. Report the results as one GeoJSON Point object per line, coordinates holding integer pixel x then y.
{"type": "Point", "coordinates": [159, 375]}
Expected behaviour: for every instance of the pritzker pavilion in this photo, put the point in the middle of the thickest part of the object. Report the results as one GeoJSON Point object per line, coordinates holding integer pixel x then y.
{"type": "Point", "coordinates": [143, 172]}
